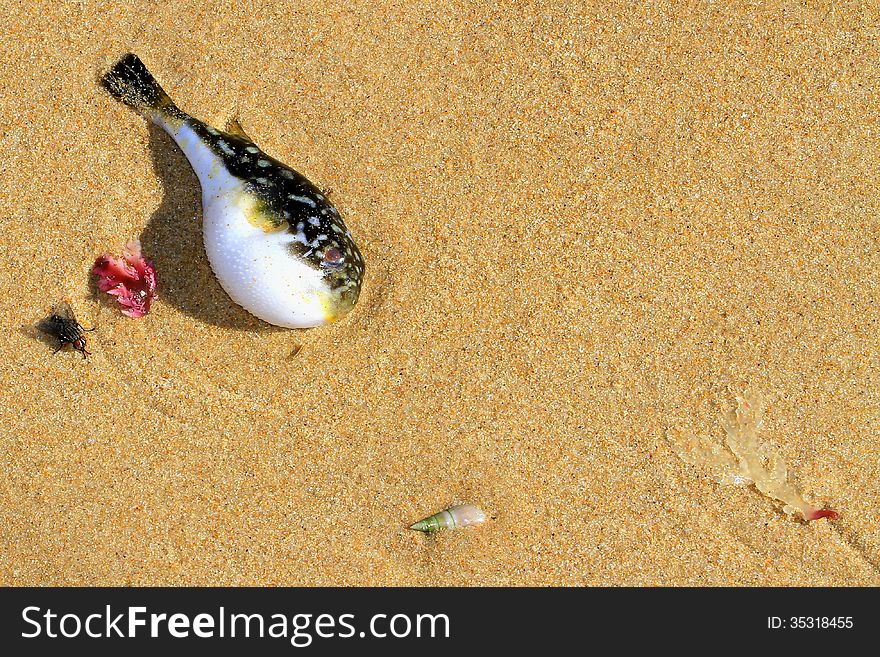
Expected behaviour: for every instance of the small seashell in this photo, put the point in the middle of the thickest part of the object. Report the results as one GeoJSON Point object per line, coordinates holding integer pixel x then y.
{"type": "Point", "coordinates": [460, 515]}
{"type": "Point", "coordinates": [131, 279]}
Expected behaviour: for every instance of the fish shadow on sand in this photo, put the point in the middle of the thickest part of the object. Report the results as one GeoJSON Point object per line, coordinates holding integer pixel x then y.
{"type": "Point", "coordinates": [172, 241]}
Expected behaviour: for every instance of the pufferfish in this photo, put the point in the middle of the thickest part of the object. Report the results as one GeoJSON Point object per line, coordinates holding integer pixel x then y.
{"type": "Point", "coordinates": [275, 242]}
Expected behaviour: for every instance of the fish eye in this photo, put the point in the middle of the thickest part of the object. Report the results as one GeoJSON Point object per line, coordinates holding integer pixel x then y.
{"type": "Point", "coordinates": [333, 257]}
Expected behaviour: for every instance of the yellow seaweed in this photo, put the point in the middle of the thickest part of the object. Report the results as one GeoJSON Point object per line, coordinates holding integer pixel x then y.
{"type": "Point", "coordinates": [745, 459]}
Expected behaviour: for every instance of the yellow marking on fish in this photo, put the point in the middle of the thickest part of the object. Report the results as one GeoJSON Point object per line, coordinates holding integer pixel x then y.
{"type": "Point", "coordinates": [259, 215]}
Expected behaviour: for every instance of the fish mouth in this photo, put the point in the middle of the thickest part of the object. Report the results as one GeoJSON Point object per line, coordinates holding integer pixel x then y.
{"type": "Point", "coordinates": [337, 304]}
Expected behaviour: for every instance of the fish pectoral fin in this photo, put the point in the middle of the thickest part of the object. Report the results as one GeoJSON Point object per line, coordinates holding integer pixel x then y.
{"type": "Point", "coordinates": [233, 127]}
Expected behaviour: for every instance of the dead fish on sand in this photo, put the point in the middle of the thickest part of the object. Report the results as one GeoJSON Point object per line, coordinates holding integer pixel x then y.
{"type": "Point", "coordinates": [275, 242]}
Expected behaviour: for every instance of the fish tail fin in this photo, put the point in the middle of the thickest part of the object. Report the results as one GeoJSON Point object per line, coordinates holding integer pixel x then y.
{"type": "Point", "coordinates": [131, 82]}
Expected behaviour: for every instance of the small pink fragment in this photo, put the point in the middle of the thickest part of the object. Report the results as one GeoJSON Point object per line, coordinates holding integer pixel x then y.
{"type": "Point", "coordinates": [815, 514]}
{"type": "Point", "coordinates": [131, 279]}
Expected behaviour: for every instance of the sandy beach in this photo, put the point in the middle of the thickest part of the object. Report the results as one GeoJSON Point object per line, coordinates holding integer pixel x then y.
{"type": "Point", "coordinates": [587, 227]}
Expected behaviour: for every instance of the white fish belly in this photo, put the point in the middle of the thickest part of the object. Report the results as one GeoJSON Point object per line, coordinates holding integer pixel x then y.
{"type": "Point", "coordinates": [258, 271]}
{"type": "Point", "coordinates": [255, 268]}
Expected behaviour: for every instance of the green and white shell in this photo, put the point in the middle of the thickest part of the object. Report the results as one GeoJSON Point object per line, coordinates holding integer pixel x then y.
{"type": "Point", "coordinates": [460, 515]}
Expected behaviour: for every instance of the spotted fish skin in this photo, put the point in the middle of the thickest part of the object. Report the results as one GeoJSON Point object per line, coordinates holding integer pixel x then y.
{"type": "Point", "coordinates": [277, 244]}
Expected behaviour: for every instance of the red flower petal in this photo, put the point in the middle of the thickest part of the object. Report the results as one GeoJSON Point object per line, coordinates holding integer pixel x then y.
{"type": "Point", "coordinates": [131, 279]}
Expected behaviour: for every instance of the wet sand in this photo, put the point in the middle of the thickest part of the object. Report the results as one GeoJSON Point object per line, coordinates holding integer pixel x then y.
{"type": "Point", "coordinates": [585, 227]}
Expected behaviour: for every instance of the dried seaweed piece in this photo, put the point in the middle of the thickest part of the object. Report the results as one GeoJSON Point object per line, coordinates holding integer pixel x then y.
{"type": "Point", "coordinates": [747, 459]}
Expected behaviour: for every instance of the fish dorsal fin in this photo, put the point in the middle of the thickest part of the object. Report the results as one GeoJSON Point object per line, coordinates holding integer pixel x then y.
{"type": "Point", "coordinates": [233, 127]}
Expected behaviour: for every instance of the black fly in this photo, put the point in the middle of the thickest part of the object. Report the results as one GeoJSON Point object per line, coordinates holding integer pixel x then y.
{"type": "Point", "coordinates": [62, 325]}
